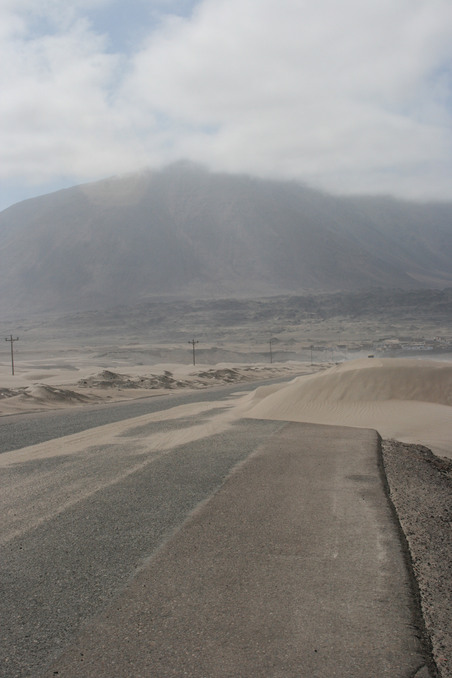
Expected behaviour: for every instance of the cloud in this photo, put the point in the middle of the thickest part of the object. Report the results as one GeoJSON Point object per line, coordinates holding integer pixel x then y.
{"type": "Point", "coordinates": [58, 118]}
{"type": "Point", "coordinates": [347, 96]}
{"type": "Point", "coordinates": [307, 90]}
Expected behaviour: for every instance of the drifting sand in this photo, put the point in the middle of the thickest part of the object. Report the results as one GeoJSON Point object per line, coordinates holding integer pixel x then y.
{"type": "Point", "coordinates": [406, 399]}
{"type": "Point", "coordinates": [37, 387]}
{"type": "Point", "coordinates": [409, 400]}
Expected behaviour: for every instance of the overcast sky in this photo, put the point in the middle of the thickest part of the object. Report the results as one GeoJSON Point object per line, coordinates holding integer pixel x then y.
{"type": "Point", "coordinates": [352, 96]}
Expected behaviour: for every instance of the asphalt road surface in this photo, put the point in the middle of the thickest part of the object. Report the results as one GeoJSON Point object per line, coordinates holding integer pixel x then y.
{"type": "Point", "coordinates": [267, 549]}
{"type": "Point", "coordinates": [20, 430]}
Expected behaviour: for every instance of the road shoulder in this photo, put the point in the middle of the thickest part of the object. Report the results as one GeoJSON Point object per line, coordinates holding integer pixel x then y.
{"type": "Point", "coordinates": [420, 488]}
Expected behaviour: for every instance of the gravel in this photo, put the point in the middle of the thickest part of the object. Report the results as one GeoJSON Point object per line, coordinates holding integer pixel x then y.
{"type": "Point", "coordinates": [420, 488]}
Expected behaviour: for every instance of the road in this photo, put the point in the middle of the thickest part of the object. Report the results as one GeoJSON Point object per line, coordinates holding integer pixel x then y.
{"type": "Point", "coordinates": [254, 548]}
{"type": "Point", "coordinates": [76, 527]}
{"type": "Point", "coordinates": [20, 430]}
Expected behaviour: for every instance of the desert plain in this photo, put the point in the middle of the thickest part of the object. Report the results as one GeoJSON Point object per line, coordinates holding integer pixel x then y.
{"type": "Point", "coordinates": [404, 395]}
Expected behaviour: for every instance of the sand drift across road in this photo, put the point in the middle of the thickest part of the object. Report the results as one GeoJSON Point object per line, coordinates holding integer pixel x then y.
{"type": "Point", "coordinates": [213, 539]}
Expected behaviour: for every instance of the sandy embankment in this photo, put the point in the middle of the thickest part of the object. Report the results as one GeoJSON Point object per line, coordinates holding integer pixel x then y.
{"type": "Point", "coordinates": [406, 399]}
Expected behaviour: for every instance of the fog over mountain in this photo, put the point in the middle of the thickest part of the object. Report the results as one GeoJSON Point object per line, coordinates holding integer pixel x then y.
{"type": "Point", "coordinates": [183, 231]}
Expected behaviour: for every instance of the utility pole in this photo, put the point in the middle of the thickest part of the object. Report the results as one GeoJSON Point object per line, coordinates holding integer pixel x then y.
{"type": "Point", "coordinates": [193, 342]}
{"type": "Point", "coordinates": [12, 351]}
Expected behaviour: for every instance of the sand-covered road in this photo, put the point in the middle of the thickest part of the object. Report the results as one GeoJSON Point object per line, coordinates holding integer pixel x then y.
{"type": "Point", "coordinates": [81, 514]}
{"type": "Point", "coordinates": [69, 494]}
{"type": "Point", "coordinates": [294, 565]}
{"type": "Point", "coordinates": [23, 429]}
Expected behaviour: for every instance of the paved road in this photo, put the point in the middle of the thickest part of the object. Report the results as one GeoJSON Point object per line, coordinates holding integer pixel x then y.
{"type": "Point", "coordinates": [290, 568]}
{"type": "Point", "coordinates": [77, 527]}
{"type": "Point", "coordinates": [20, 430]}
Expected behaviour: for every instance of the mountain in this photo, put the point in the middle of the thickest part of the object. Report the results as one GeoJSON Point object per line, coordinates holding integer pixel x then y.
{"type": "Point", "coordinates": [186, 232]}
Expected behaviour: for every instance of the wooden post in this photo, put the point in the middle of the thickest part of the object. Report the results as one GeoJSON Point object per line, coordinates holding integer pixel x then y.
{"type": "Point", "coordinates": [193, 342]}
{"type": "Point", "coordinates": [12, 351]}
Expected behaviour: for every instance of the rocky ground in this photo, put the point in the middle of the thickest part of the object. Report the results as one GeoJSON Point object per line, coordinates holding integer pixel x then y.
{"type": "Point", "coordinates": [420, 488]}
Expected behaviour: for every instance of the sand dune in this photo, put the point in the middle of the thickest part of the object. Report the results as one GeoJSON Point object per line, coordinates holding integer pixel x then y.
{"type": "Point", "coordinates": [406, 399]}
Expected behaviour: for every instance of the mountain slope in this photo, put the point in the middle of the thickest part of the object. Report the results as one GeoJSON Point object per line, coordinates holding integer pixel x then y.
{"type": "Point", "coordinates": [184, 231]}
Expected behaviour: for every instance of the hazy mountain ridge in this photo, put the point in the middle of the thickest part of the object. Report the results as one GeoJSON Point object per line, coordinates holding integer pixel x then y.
{"type": "Point", "coordinates": [423, 305]}
{"type": "Point", "coordinates": [183, 231]}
